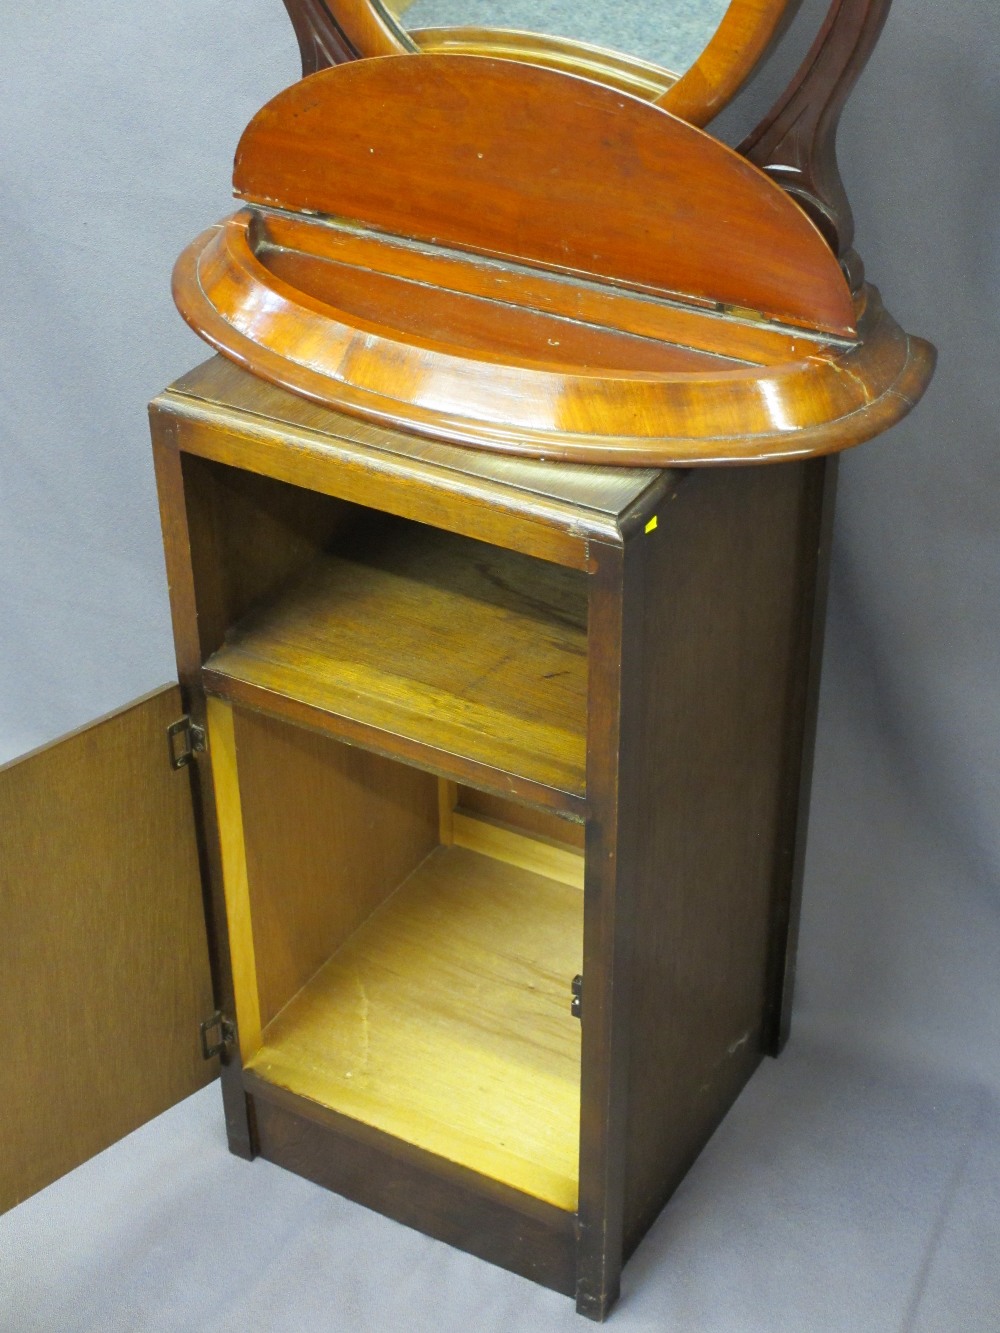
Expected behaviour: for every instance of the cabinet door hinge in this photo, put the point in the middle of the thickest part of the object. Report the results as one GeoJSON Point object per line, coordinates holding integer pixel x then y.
{"type": "Point", "coordinates": [577, 1001]}
{"type": "Point", "coordinates": [227, 1035]}
{"type": "Point", "coordinates": [185, 739]}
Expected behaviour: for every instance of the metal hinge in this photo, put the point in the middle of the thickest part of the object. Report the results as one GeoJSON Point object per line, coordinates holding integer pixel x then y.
{"type": "Point", "coordinates": [577, 1002]}
{"type": "Point", "coordinates": [185, 739]}
{"type": "Point", "coordinates": [227, 1035]}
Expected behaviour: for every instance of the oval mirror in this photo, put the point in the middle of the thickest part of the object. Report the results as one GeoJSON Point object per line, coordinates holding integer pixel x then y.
{"type": "Point", "coordinates": [690, 56]}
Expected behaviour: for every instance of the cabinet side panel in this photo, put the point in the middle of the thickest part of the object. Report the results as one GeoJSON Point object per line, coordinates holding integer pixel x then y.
{"type": "Point", "coordinates": [330, 831]}
{"type": "Point", "coordinates": [721, 627]}
{"type": "Point", "coordinates": [103, 962]}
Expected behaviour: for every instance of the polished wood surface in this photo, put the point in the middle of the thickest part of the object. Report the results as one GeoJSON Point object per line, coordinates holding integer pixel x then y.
{"type": "Point", "coordinates": [445, 1021]}
{"type": "Point", "coordinates": [827, 398]}
{"type": "Point", "coordinates": [226, 401]}
{"type": "Point", "coordinates": [586, 278]}
{"type": "Point", "coordinates": [332, 263]}
{"type": "Point", "coordinates": [738, 45]}
{"type": "Point", "coordinates": [229, 418]}
{"type": "Point", "coordinates": [507, 160]}
{"type": "Point", "coordinates": [104, 973]}
{"type": "Point", "coordinates": [233, 855]}
{"type": "Point", "coordinates": [448, 645]}
{"type": "Point", "coordinates": [709, 870]}
{"type": "Point", "coordinates": [626, 73]}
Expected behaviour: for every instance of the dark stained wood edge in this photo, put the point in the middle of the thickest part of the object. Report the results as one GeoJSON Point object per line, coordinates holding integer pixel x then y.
{"type": "Point", "coordinates": [615, 639]}
{"type": "Point", "coordinates": [360, 472]}
{"type": "Point", "coordinates": [819, 501]}
{"type": "Point", "coordinates": [219, 388]}
{"type": "Point", "coordinates": [414, 1187]}
{"type": "Point", "coordinates": [89, 726]}
{"type": "Point", "coordinates": [322, 41]}
{"type": "Point", "coordinates": [184, 615]}
{"type": "Point", "coordinates": [795, 143]}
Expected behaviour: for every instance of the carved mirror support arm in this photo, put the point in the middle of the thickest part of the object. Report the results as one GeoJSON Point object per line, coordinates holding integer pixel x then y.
{"type": "Point", "coordinates": [322, 42]}
{"type": "Point", "coordinates": [796, 142]}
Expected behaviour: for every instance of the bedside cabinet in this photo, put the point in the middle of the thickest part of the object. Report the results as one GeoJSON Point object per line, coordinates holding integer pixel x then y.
{"type": "Point", "coordinates": [500, 767]}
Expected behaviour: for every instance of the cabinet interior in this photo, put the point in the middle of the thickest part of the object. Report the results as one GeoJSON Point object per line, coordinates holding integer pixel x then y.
{"type": "Point", "coordinates": [404, 936]}
{"type": "Point", "coordinates": [409, 639]}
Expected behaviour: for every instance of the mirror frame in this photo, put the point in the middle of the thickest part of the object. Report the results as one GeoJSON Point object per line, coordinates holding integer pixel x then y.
{"type": "Point", "coordinates": [344, 29]}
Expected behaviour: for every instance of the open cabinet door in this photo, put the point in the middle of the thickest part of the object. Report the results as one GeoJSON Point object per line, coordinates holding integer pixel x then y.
{"type": "Point", "coordinates": [104, 974]}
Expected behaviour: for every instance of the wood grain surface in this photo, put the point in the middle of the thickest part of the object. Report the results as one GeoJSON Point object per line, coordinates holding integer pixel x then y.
{"type": "Point", "coordinates": [796, 142]}
{"type": "Point", "coordinates": [510, 160]}
{"type": "Point", "coordinates": [445, 1022]}
{"type": "Point", "coordinates": [331, 832]}
{"type": "Point", "coordinates": [104, 972]}
{"type": "Point", "coordinates": [822, 399]}
{"type": "Point", "coordinates": [738, 45]}
{"type": "Point", "coordinates": [434, 639]}
{"type": "Point", "coordinates": [550, 510]}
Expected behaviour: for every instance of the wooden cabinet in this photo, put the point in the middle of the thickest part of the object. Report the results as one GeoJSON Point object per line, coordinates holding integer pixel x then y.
{"type": "Point", "coordinates": [501, 798]}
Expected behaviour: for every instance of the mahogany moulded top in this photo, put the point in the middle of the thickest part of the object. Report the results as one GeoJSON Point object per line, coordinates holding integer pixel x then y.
{"type": "Point", "coordinates": [514, 258]}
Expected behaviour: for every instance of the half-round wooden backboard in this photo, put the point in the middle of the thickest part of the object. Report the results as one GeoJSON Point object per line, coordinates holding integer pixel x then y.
{"type": "Point", "coordinates": [514, 258]}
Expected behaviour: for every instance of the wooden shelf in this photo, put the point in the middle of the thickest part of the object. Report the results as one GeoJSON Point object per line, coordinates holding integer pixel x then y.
{"type": "Point", "coordinates": [431, 647]}
{"type": "Point", "coordinates": [445, 1021]}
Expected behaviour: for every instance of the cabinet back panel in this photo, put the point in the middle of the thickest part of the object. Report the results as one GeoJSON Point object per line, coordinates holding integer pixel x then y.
{"type": "Point", "coordinates": [526, 818]}
{"type": "Point", "coordinates": [331, 831]}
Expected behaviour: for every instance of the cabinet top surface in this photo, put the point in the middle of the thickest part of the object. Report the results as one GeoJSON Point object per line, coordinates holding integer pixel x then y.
{"type": "Point", "coordinates": [219, 387]}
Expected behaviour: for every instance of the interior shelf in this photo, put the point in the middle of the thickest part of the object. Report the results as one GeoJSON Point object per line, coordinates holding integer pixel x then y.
{"type": "Point", "coordinates": [441, 649]}
{"type": "Point", "coordinates": [445, 1021]}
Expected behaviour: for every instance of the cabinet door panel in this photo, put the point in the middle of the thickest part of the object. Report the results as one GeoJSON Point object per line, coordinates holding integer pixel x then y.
{"type": "Point", "coordinates": [103, 962]}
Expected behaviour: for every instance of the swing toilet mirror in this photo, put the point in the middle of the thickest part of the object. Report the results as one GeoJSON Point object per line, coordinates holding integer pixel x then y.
{"type": "Point", "coordinates": [689, 56]}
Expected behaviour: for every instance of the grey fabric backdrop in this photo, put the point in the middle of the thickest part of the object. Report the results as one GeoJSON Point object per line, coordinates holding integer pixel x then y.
{"type": "Point", "coordinates": [119, 124]}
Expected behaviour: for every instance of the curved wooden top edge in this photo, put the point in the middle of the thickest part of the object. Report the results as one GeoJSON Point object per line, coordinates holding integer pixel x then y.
{"type": "Point", "coordinates": [628, 74]}
{"type": "Point", "coordinates": [736, 48]}
{"type": "Point", "coordinates": [840, 401]}
{"type": "Point", "coordinates": [507, 159]}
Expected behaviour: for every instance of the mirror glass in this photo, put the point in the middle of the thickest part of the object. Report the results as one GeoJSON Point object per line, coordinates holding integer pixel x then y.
{"type": "Point", "coordinates": [668, 33]}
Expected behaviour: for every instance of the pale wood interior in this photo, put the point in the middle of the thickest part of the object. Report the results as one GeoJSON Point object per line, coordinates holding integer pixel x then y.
{"type": "Point", "coordinates": [233, 855]}
{"type": "Point", "coordinates": [422, 989]}
{"type": "Point", "coordinates": [431, 638]}
{"type": "Point", "coordinates": [331, 832]}
{"type": "Point", "coordinates": [445, 1021]}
